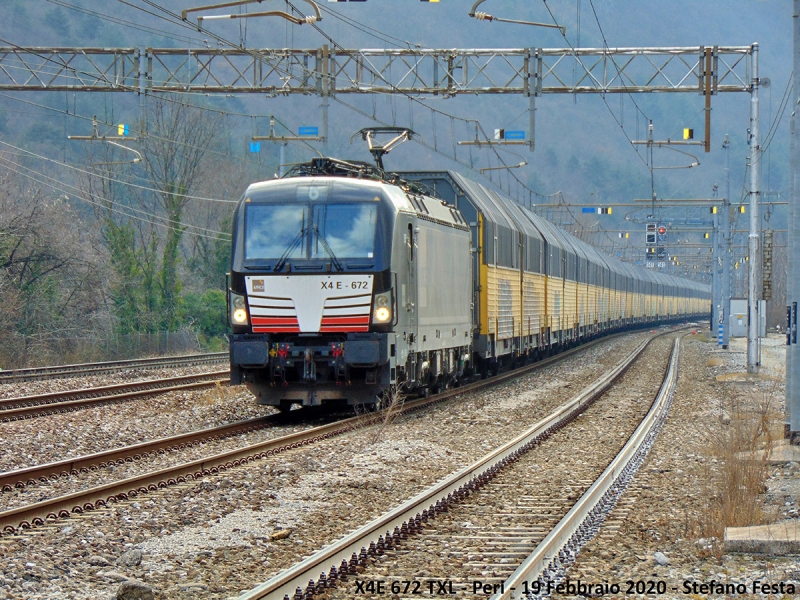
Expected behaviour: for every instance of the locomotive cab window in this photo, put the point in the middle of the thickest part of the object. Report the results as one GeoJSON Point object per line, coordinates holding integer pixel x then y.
{"type": "Point", "coordinates": [274, 229]}
{"type": "Point", "coordinates": [310, 231]}
{"type": "Point", "coordinates": [347, 229]}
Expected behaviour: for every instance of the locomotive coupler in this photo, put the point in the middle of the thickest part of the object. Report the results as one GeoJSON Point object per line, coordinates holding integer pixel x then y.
{"type": "Point", "coordinates": [309, 366]}
{"type": "Point", "coordinates": [339, 366]}
{"type": "Point", "coordinates": [278, 355]}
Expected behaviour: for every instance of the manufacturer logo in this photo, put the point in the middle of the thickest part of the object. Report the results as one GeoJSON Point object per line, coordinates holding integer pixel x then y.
{"type": "Point", "coordinates": [258, 285]}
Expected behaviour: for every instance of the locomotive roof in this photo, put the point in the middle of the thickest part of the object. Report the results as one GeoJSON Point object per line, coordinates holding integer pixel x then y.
{"type": "Point", "coordinates": [404, 198]}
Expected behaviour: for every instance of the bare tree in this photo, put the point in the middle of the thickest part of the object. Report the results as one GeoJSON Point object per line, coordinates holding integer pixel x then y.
{"type": "Point", "coordinates": [144, 209]}
{"type": "Point", "coordinates": [48, 272]}
{"type": "Point", "coordinates": [176, 158]}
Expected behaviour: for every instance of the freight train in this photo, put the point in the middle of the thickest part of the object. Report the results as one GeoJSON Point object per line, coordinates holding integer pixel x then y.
{"type": "Point", "coordinates": [348, 284]}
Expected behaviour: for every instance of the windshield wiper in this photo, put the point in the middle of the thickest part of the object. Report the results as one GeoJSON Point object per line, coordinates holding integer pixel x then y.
{"type": "Point", "coordinates": [289, 249]}
{"type": "Point", "coordinates": [328, 250]}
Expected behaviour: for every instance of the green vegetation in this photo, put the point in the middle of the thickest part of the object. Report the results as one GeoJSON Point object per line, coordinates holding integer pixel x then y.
{"type": "Point", "coordinates": [147, 258]}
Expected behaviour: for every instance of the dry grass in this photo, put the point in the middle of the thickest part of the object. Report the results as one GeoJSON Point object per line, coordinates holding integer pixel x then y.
{"type": "Point", "coordinates": [715, 362]}
{"type": "Point", "coordinates": [740, 445]}
{"type": "Point", "coordinates": [391, 407]}
{"type": "Point", "coordinates": [213, 395]}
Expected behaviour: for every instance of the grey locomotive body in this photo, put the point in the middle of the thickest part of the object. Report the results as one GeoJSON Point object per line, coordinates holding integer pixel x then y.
{"type": "Point", "coordinates": [344, 288]}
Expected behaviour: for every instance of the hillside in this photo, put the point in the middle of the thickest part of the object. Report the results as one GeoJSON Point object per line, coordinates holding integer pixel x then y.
{"type": "Point", "coordinates": [152, 276]}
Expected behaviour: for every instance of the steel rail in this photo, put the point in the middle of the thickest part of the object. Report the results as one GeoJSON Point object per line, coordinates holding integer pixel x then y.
{"type": "Point", "coordinates": [78, 502]}
{"type": "Point", "coordinates": [28, 407]}
{"type": "Point", "coordinates": [37, 514]}
{"type": "Point", "coordinates": [351, 552]}
{"type": "Point", "coordinates": [51, 372]}
{"type": "Point", "coordinates": [19, 478]}
{"type": "Point", "coordinates": [559, 547]}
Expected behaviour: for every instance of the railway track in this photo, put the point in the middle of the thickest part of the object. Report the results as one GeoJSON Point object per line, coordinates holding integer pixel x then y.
{"type": "Point", "coordinates": [505, 525]}
{"type": "Point", "coordinates": [36, 514]}
{"type": "Point", "coordinates": [29, 476]}
{"type": "Point", "coordinates": [99, 368]}
{"type": "Point", "coordinates": [28, 407]}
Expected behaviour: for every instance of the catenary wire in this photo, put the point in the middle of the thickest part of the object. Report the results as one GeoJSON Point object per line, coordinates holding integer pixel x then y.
{"type": "Point", "coordinates": [112, 125]}
{"type": "Point", "coordinates": [602, 96]}
{"type": "Point", "coordinates": [178, 19]}
{"type": "Point", "coordinates": [154, 219]}
{"type": "Point", "coordinates": [119, 21]}
{"type": "Point", "coordinates": [111, 179]}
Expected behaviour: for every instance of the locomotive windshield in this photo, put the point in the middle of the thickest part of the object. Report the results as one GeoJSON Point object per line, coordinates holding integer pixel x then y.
{"type": "Point", "coordinates": [310, 231]}
{"type": "Point", "coordinates": [274, 229]}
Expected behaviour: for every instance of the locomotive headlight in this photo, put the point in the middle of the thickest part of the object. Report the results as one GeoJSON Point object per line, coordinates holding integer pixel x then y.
{"type": "Point", "coordinates": [383, 308]}
{"type": "Point", "coordinates": [238, 310]}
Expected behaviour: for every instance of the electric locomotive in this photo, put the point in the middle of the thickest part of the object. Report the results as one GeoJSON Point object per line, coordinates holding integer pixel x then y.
{"type": "Point", "coordinates": [347, 283]}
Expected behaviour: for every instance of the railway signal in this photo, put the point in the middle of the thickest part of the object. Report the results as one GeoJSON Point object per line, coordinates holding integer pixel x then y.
{"type": "Point", "coordinates": [650, 234]}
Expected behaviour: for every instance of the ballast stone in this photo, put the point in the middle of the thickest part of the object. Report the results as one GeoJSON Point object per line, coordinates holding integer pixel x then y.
{"type": "Point", "coordinates": [135, 590]}
{"type": "Point", "coordinates": [131, 558]}
{"type": "Point", "coordinates": [98, 561]}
